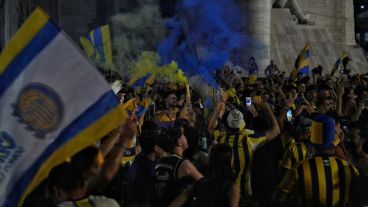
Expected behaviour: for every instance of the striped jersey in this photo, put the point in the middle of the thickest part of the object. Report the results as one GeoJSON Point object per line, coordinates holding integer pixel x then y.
{"type": "Point", "coordinates": [131, 152]}
{"type": "Point", "coordinates": [295, 153]}
{"type": "Point", "coordinates": [244, 144]}
{"type": "Point", "coordinates": [320, 181]}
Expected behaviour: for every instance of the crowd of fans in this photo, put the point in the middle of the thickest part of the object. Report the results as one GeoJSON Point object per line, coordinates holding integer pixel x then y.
{"type": "Point", "coordinates": [267, 142]}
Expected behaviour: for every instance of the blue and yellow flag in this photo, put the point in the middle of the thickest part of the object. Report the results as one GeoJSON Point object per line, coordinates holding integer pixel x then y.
{"type": "Point", "coordinates": [49, 108]}
{"type": "Point", "coordinates": [302, 63]}
{"type": "Point", "coordinates": [98, 45]}
{"type": "Point", "coordinates": [148, 78]}
{"type": "Point", "coordinates": [338, 63]}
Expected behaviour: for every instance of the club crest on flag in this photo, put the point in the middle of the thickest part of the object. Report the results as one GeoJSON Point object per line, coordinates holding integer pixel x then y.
{"type": "Point", "coordinates": [40, 108]}
{"type": "Point", "coordinates": [48, 113]}
{"type": "Point", "coordinates": [6, 142]}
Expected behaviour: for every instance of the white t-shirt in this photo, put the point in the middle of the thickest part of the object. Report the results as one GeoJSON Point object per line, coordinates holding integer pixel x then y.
{"type": "Point", "coordinates": [91, 201]}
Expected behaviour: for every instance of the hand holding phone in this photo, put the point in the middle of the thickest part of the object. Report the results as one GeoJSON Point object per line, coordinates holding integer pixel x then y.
{"type": "Point", "coordinates": [248, 101]}
{"type": "Point", "coordinates": [289, 115]}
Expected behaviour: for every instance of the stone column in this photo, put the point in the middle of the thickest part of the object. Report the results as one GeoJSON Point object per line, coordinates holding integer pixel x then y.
{"type": "Point", "coordinates": [258, 28]}
{"type": "Point", "coordinates": [7, 21]}
{"type": "Point", "coordinates": [1, 25]}
{"type": "Point", "coordinates": [11, 19]}
{"type": "Point", "coordinates": [349, 24]}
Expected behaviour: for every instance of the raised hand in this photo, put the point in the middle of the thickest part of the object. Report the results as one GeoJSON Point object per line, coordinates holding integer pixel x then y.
{"type": "Point", "coordinates": [224, 95]}
{"type": "Point", "coordinates": [129, 129]}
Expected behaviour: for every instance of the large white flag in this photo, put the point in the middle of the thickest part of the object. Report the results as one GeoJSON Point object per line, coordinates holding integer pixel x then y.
{"type": "Point", "coordinates": [53, 103]}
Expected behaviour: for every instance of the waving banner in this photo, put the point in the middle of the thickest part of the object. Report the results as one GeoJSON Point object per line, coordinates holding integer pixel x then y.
{"type": "Point", "coordinates": [53, 104]}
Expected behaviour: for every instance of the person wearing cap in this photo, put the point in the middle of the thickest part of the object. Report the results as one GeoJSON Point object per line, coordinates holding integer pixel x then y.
{"type": "Point", "coordinates": [298, 149]}
{"type": "Point", "coordinates": [173, 173]}
{"type": "Point", "coordinates": [324, 179]}
{"type": "Point", "coordinates": [244, 142]}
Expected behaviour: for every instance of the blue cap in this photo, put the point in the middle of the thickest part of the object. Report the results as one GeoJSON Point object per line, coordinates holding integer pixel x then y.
{"type": "Point", "coordinates": [323, 131]}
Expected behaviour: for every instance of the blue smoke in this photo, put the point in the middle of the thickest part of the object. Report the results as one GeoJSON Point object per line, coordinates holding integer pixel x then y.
{"type": "Point", "coordinates": [204, 35]}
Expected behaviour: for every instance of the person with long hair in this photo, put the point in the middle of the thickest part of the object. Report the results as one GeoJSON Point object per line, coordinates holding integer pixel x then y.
{"type": "Point", "coordinates": [218, 188]}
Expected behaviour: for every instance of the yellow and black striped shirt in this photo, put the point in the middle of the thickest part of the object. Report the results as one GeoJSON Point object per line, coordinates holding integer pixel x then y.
{"type": "Point", "coordinates": [130, 152]}
{"type": "Point", "coordinates": [243, 144]}
{"type": "Point", "coordinates": [295, 153]}
{"type": "Point", "coordinates": [322, 181]}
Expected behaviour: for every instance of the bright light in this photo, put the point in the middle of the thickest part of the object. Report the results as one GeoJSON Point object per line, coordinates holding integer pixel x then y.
{"type": "Point", "coordinates": [362, 6]}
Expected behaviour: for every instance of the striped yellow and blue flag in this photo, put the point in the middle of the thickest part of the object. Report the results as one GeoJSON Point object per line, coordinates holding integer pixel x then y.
{"type": "Point", "coordinates": [141, 81]}
{"type": "Point", "coordinates": [50, 108]}
{"type": "Point", "coordinates": [98, 45]}
{"type": "Point", "coordinates": [338, 63]}
{"type": "Point", "coordinates": [302, 62]}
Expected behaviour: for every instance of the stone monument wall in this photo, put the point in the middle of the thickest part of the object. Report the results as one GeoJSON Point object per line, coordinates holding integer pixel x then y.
{"type": "Point", "coordinates": [334, 15]}
{"type": "Point", "coordinates": [331, 35]}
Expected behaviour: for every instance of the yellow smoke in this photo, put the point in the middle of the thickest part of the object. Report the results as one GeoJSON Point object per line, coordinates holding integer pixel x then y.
{"type": "Point", "coordinates": [181, 78]}
{"type": "Point", "coordinates": [148, 63]}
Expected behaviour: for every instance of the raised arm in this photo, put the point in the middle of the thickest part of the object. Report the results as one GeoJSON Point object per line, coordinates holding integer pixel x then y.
{"type": "Point", "coordinates": [113, 159]}
{"type": "Point", "coordinates": [282, 117]}
{"type": "Point", "coordinates": [300, 109]}
{"type": "Point", "coordinates": [108, 144]}
{"type": "Point", "coordinates": [340, 93]}
{"type": "Point", "coordinates": [217, 113]}
{"type": "Point", "coordinates": [275, 129]}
